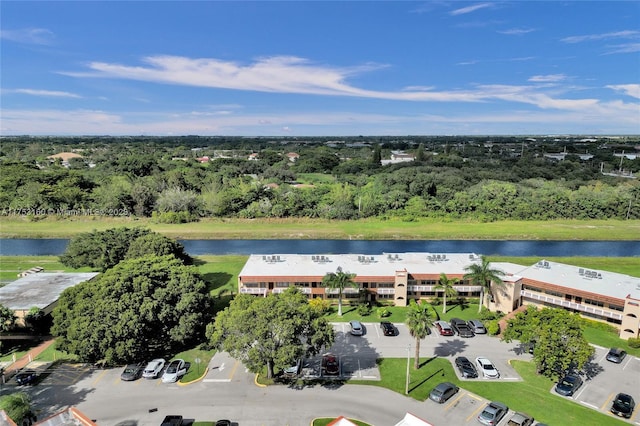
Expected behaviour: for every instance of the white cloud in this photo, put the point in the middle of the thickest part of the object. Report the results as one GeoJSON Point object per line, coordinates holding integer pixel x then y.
{"type": "Point", "coordinates": [40, 36]}
{"type": "Point", "coordinates": [550, 78]}
{"type": "Point", "coordinates": [632, 90]}
{"type": "Point", "coordinates": [517, 31]}
{"type": "Point", "coordinates": [469, 9]}
{"type": "Point", "coordinates": [46, 93]}
{"type": "Point", "coordinates": [603, 36]}
{"type": "Point", "coordinates": [624, 48]}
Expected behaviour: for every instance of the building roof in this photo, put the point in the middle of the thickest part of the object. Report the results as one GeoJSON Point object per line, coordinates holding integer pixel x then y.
{"type": "Point", "coordinates": [65, 156]}
{"type": "Point", "coordinates": [411, 420]}
{"type": "Point", "coordinates": [40, 289]}
{"type": "Point", "coordinates": [383, 265]}
{"type": "Point", "coordinates": [595, 281]}
{"type": "Point", "coordinates": [341, 421]}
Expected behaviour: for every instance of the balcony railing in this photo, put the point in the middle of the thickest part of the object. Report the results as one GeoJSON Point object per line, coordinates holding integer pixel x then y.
{"type": "Point", "coordinates": [303, 290]}
{"type": "Point", "coordinates": [460, 288]}
{"type": "Point", "coordinates": [567, 304]}
{"type": "Point", "coordinates": [385, 290]}
{"type": "Point", "coordinates": [253, 290]}
{"type": "Point", "coordinates": [346, 290]}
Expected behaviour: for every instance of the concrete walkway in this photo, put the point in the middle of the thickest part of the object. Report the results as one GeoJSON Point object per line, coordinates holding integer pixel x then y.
{"type": "Point", "coordinates": [26, 359]}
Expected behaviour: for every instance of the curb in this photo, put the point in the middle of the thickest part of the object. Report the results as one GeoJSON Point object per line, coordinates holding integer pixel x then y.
{"type": "Point", "coordinates": [206, 371]}
{"type": "Point", "coordinates": [255, 380]}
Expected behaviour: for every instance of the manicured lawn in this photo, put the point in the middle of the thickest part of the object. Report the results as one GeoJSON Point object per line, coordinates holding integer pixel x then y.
{"type": "Point", "coordinates": [221, 272]}
{"type": "Point", "coordinates": [365, 229]}
{"type": "Point", "coordinates": [465, 311]}
{"type": "Point", "coordinates": [532, 395]}
{"type": "Point", "coordinates": [10, 266]}
{"type": "Point", "coordinates": [196, 370]}
{"type": "Point", "coordinates": [608, 340]}
{"type": "Point", "coordinates": [621, 265]}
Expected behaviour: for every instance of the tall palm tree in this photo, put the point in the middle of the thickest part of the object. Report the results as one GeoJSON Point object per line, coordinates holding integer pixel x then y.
{"type": "Point", "coordinates": [446, 285]}
{"type": "Point", "coordinates": [419, 321]}
{"type": "Point", "coordinates": [484, 276]}
{"type": "Point", "coordinates": [339, 280]}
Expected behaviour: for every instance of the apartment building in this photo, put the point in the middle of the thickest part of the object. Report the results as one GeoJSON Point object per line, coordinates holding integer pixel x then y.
{"type": "Point", "coordinates": [397, 278]}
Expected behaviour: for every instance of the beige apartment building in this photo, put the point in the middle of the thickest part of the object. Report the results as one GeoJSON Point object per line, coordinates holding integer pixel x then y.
{"type": "Point", "coordinates": [396, 278]}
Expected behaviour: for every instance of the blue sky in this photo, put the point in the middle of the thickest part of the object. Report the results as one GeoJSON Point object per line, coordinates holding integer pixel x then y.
{"type": "Point", "coordinates": [320, 68]}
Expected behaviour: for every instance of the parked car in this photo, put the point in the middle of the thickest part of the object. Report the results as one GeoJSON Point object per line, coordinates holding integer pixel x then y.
{"type": "Point", "coordinates": [477, 326]}
{"type": "Point", "coordinates": [388, 329]}
{"type": "Point", "coordinates": [623, 405]}
{"type": "Point", "coordinates": [26, 377]}
{"type": "Point", "coordinates": [356, 328]}
{"type": "Point", "coordinates": [132, 372]}
{"type": "Point", "coordinates": [568, 385]}
{"type": "Point", "coordinates": [487, 368]}
{"type": "Point", "coordinates": [223, 423]}
{"type": "Point", "coordinates": [172, 421]}
{"type": "Point", "coordinates": [294, 370]}
{"type": "Point", "coordinates": [443, 392]}
{"type": "Point", "coordinates": [330, 365]}
{"type": "Point", "coordinates": [176, 369]}
{"type": "Point", "coordinates": [492, 413]}
{"type": "Point", "coordinates": [461, 327]}
{"type": "Point", "coordinates": [520, 419]}
{"type": "Point", "coordinates": [153, 369]}
{"type": "Point", "coordinates": [616, 355]}
{"type": "Point", "coordinates": [444, 328]}
{"type": "Point", "coordinates": [467, 370]}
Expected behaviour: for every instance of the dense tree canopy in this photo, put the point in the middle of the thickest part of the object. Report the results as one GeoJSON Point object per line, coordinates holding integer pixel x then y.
{"type": "Point", "coordinates": [102, 250]}
{"type": "Point", "coordinates": [17, 405]}
{"type": "Point", "coordinates": [141, 308]}
{"type": "Point", "coordinates": [272, 331]}
{"type": "Point", "coordinates": [452, 177]}
{"type": "Point", "coordinates": [557, 338]}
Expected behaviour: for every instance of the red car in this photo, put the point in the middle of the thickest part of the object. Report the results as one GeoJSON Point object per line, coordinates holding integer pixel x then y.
{"type": "Point", "coordinates": [330, 365]}
{"type": "Point", "coordinates": [444, 328]}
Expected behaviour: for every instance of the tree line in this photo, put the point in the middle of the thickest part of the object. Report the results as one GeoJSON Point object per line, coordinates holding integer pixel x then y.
{"type": "Point", "coordinates": [450, 181]}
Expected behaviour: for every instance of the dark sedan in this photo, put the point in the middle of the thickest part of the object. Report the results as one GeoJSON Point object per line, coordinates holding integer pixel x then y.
{"type": "Point", "coordinates": [132, 372]}
{"type": "Point", "coordinates": [623, 405]}
{"type": "Point", "coordinates": [568, 385]}
{"type": "Point", "coordinates": [26, 377]}
{"type": "Point", "coordinates": [466, 368]}
{"type": "Point", "coordinates": [330, 365]}
{"type": "Point", "coordinates": [388, 329]}
{"type": "Point", "coordinates": [443, 392]}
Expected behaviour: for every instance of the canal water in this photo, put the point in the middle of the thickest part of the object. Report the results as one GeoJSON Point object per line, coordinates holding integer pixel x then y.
{"type": "Point", "coordinates": [41, 247]}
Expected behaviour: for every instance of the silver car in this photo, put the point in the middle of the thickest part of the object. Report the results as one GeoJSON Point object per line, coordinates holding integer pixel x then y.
{"type": "Point", "coordinates": [477, 327]}
{"type": "Point", "coordinates": [356, 328]}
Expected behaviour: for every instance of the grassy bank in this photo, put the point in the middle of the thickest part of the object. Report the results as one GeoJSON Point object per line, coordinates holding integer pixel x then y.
{"type": "Point", "coordinates": [366, 229]}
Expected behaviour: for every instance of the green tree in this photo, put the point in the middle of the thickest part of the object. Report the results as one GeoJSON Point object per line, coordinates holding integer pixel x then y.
{"type": "Point", "coordinates": [339, 280]}
{"type": "Point", "coordinates": [18, 407]}
{"type": "Point", "coordinates": [446, 285]}
{"type": "Point", "coordinates": [376, 158]}
{"type": "Point", "coordinates": [7, 318]}
{"type": "Point", "coordinates": [142, 308]}
{"type": "Point", "coordinates": [270, 331]}
{"type": "Point", "coordinates": [159, 245]}
{"type": "Point", "coordinates": [559, 343]}
{"type": "Point", "coordinates": [420, 318]}
{"type": "Point", "coordinates": [486, 277]}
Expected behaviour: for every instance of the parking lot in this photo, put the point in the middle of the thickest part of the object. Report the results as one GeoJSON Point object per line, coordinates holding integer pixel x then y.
{"type": "Point", "coordinates": [228, 380]}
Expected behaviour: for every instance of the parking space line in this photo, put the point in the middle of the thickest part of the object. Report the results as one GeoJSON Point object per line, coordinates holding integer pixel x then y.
{"type": "Point", "coordinates": [603, 357]}
{"type": "Point", "coordinates": [452, 403]}
{"type": "Point", "coordinates": [588, 405]}
{"type": "Point", "coordinates": [607, 402]}
{"type": "Point", "coordinates": [475, 413]}
{"type": "Point", "coordinates": [100, 376]}
{"type": "Point", "coordinates": [627, 363]}
{"type": "Point", "coordinates": [576, 396]}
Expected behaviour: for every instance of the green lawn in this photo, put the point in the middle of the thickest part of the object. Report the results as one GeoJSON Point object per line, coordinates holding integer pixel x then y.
{"type": "Point", "coordinates": [197, 369]}
{"type": "Point", "coordinates": [532, 395]}
{"type": "Point", "coordinates": [465, 311]}
{"type": "Point", "coordinates": [10, 266]}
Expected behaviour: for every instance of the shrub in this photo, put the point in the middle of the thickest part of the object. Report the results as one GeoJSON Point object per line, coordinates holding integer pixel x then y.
{"type": "Point", "coordinates": [383, 312]}
{"type": "Point", "coordinates": [487, 315]}
{"type": "Point", "coordinates": [364, 309]}
{"type": "Point", "coordinates": [320, 305]}
{"type": "Point", "coordinates": [493, 327]}
{"type": "Point", "coordinates": [634, 342]}
{"type": "Point", "coordinates": [436, 301]}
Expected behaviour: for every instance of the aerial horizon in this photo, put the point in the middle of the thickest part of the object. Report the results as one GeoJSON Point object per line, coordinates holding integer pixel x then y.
{"type": "Point", "coordinates": [320, 69]}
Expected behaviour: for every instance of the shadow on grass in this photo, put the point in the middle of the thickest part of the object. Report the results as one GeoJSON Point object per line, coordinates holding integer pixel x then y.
{"type": "Point", "coordinates": [426, 379]}
{"type": "Point", "coordinates": [216, 280]}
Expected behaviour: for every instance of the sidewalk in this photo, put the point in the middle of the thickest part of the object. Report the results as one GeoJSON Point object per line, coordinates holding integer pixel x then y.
{"type": "Point", "coordinates": [27, 358]}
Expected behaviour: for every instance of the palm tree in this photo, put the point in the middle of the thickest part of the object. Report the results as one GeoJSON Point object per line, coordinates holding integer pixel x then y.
{"type": "Point", "coordinates": [419, 321]}
{"type": "Point", "coordinates": [446, 285]}
{"type": "Point", "coordinates": [339, 280]}
{"type": "Point", "coordinates": [484, 276]}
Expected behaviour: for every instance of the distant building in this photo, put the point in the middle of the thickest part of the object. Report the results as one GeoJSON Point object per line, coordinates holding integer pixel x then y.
{"type": "Point", "coordinates": [293, 157]}
{"type": "Point", "coordinates": [40, 290]}
{"type": "Point", "coordinates": [397, 278]}
{"type": "Point", "coordinates": [64, 157]}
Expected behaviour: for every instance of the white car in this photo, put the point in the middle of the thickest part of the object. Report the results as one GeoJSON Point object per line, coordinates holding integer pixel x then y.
{"type": "Point", "coordinates": [176, 369]}
{"type": "Point", "coordinates": [153, 369]}
{"type": "Point", "coordinates": [488, 370]}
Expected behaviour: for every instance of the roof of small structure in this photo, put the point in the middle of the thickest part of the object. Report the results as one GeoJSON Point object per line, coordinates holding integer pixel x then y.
{"type": "Point", "coordinates": [39, 289]}
{"type": "Point", "coordinates": [65, 156]}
